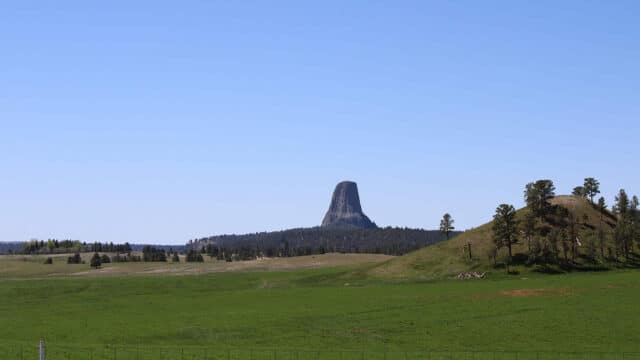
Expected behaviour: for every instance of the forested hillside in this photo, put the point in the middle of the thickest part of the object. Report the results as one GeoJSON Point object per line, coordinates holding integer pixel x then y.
{"type": "Point", "coordinates": [550, 234]}
{"type": "Point", "coordinates": [317, 240]}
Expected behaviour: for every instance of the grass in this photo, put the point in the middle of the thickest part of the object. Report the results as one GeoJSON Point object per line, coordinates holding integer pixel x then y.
{"type": "Point", "coordinates": [327, 309]}
{"type": "Point", "coordinates": [32, 266]}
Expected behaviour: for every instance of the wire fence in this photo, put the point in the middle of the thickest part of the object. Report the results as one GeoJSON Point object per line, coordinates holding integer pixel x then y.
{"type": "Point", "coordinates": [133, 352]}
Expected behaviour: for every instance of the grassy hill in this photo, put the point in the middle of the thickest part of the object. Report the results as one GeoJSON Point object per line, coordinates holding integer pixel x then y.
{"type": "Point", "coordinates": [449, 258]}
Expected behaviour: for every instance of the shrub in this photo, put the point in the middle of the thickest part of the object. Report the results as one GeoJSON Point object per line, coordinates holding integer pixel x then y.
{"type": "Point", "coordinates": [75, 259]}
{"type": "Point", "coordinates": [95, 261]}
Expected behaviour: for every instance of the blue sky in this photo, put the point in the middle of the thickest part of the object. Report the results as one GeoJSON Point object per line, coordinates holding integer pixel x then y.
{"type": "Point", "coordinates": [159, 121]}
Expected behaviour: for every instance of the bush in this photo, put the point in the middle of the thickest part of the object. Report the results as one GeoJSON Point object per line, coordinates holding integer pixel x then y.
{"type": "Point", "coordinates": [75, 259]}
{"type": "Point", "coordinates": [175, 257]}
{"type": "Point", "coordinates": [104, 259]}
{"type": "Point", "coordinates": [95, 261]}
{"type": "Point", "coordinates": [48, 261]}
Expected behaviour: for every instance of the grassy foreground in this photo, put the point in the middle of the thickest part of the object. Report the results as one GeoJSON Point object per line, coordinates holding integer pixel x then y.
{"type": "Point", "coordinates": [331, 310]}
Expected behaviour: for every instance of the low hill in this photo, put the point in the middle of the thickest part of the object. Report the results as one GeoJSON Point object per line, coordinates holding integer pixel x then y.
{"type": "Point", "coordinates": [448, 258]}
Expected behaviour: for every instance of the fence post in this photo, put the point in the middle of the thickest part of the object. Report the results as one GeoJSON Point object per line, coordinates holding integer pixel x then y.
{"type": "Point", "coordinates": [42, 355]}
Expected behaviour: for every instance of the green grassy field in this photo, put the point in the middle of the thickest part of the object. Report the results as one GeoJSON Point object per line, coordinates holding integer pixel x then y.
{"type": "Point", "coordinates": [320, 313]}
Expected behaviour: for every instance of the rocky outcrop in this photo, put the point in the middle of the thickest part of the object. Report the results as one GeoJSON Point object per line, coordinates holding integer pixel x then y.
{"type": "Point", "coordinates": [471, 275]}
{"type": "Point", "coordinates": [345, 209]}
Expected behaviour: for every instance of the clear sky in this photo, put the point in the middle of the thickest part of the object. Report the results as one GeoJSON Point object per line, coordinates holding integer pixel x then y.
{"type": "Point", "coordinates": [161, 121]}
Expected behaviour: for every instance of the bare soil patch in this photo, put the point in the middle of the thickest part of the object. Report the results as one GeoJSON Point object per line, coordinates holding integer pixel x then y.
{"type": "Point", "coordinates": [537, 292]}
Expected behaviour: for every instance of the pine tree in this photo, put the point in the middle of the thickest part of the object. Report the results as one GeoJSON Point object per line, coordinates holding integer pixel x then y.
{"type": "Point", "coordinates": [446, 225]}
{"type": "Point", "coordinates": [591, 188]}
{"type": "Point", "coordinates": [602, 207]}
{"type": "Point", "coordinates": [95, 261]}
{"type": "Point", "coordinates": [538, 194]}
{"type": "Point", "coordinates": [505, 228]}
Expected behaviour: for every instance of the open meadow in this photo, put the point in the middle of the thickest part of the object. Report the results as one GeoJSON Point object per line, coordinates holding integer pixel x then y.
{"type": "Point", "coordinates": [319, 312]}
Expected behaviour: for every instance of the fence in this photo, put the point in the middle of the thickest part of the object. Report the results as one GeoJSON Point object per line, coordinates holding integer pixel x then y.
{"type": "Point", "coordinates": [133, 352]}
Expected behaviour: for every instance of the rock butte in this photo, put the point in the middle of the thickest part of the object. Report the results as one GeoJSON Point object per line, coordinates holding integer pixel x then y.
{"type": "Point", "coordinates": [345, 209]}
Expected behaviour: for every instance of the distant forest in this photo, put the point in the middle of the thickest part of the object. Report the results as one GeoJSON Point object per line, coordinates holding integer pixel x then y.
{"type": "Point", "coordinates": [55, 246]}
{"type": "Point", "coordinates": [317, 240]}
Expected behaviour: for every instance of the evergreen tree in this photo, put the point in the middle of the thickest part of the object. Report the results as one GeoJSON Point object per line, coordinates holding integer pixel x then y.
{"type": "Point", "coordinates": [624, 234]}
{"type": "Point", "coordinates": [529, 228]}
{"type": "Point", "coordinates": [602, 207]}
{"type": "Point", "coordinates": [446, 225]}
{"type": "Point", "coordinates": [579, 191]}
{"type": "Point", "coordinates": [505, 228]}
{"type": "Point", "coordinates": [538, 194]}
{"type": "Point", "coordinates": [95, 261]}
{"type": "Point", "coordinates": [622, 203]}
{"type": "Point", "coordinates": [591, 188]}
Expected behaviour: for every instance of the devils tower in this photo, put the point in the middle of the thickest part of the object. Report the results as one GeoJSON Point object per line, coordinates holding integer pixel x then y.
{"type": "Point", "coordinates": [345, 209]}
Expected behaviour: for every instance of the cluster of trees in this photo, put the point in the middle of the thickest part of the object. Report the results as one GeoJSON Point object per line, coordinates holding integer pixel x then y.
{"type": "Point", "coordinates": [75, 259]}
{"type": "Point", "coordinates": [97, 260]}
{"type": "Point", "coordinates": [556, 235]}
{"type": "Point", "coordinates": [152, 254]}
{"type": "Point", "coordinates": [627, 230]}
{"type": "Point", "coordinates": [55, 246]}
{"type": "Point", "coordinates": [128, 257]}
{"type": "Point", "coordinates": [317, 240]}
{"type": "Point", "coordinates": [149, 254]}
{"type": "Point", "coordinates": [193, 256]}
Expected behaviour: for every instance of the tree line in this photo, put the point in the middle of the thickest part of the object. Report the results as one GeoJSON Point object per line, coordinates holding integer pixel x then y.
{"type": "Point", "coordinates": [317, 240]}
{"type": "Point", "coordinates": [55, 246]}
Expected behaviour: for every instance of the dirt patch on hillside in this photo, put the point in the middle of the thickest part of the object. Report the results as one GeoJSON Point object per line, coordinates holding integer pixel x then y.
{"type": "Point", "coordinates": [538, 292]}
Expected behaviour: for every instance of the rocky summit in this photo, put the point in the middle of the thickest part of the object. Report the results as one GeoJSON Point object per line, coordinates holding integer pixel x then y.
{"type": "Point", "coordinates": [345, 209]}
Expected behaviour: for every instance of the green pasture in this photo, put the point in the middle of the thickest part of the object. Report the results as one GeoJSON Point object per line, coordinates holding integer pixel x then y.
{"type": "Point", "coordinates": [322, 313]}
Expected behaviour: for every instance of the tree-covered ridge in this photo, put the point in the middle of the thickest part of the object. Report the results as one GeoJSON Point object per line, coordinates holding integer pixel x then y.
{"type": "Point", "coordinates": [55, 246]}
{"type": "Point", "coordinates": [317, 240]}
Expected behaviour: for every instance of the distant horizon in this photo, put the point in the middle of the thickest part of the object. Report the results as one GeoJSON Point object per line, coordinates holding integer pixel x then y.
{"type": "Point", "coordinates": [255, 232]}
{"type": "Point", "coordinates": [150, 123]}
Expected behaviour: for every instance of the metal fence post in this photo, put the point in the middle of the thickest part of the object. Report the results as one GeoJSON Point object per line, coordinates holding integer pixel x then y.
{"type": "Point", "coordinates": [42, 355]}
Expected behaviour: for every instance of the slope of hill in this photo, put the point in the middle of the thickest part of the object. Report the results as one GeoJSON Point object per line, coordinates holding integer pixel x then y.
{"type": "Point", "coordinates": [448, 258]}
